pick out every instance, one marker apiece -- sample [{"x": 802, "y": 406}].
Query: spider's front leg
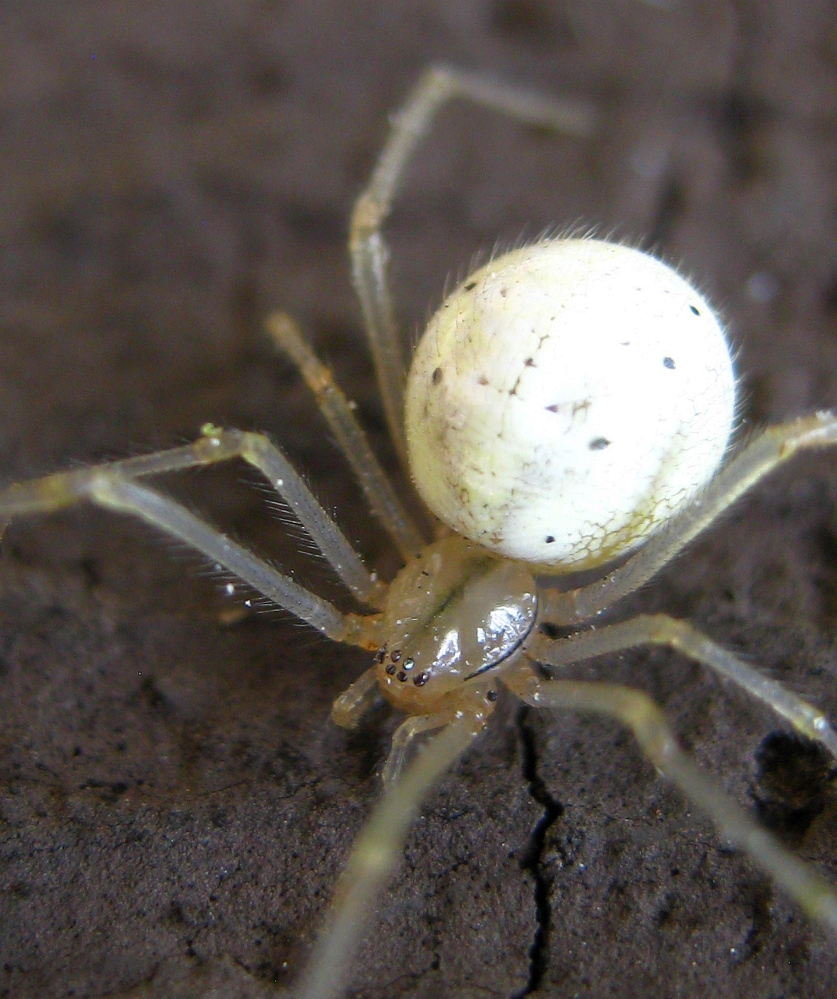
[{"x": 114, "y": 486}]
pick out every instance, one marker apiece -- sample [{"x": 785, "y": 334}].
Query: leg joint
[{"x": 368, "y": 216}]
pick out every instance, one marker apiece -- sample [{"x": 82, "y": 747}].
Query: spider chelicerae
[{"x": 568, "y": 408}]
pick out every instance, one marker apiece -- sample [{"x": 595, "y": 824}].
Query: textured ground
[{"x": 174, "y": 802}]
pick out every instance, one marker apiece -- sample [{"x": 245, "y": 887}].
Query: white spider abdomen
[{"x": 566, "y": 400}]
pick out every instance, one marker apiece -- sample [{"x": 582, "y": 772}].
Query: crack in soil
[{"x": 531, "y": 859}]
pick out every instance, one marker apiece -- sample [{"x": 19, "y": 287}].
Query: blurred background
[{"x": 175, "y": 804}]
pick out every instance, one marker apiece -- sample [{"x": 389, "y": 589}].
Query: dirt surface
[{"x": 175, "y": 804}]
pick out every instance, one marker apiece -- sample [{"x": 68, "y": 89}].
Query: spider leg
[
  {"x": 350, "y": 706},
  {"x": 815, "y": 895},
  {"x": 404, "y": 737},
  {"x": 659, "y": 629},
  {"x": 337, "y": 410},
  {"x": 374, "y": 855},
  {"x": 473, "y": 701},
  {"x": 109, "y": 487},
  {"x": 435, "y": 87},
  {"x": 65, "y": 488},
  {"x": 763, "y": 454}
]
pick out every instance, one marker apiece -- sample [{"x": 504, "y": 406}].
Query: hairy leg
[
  {"x": 53, "y": 492},
  {"x": 337, "y": 410},
  {"x": 127, "y": 496},
  {"x": 110, "y": 486}
]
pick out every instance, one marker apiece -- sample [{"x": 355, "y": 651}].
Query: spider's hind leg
[
  {"x": 634, "y": 709},
  {"x": 764, "y": 453},
  {"x": 660, "y": 629}
]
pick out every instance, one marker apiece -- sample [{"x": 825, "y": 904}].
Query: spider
[{"x": 568, "y": 408}]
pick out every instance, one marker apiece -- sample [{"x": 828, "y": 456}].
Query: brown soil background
[{"x": 175, "y": 804}]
